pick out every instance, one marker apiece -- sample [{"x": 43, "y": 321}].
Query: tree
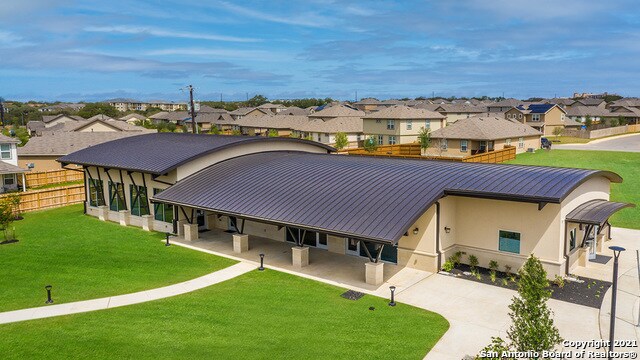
[
  {"x": 6, "y": 216},
  {"x": 151, "y": 110},
  {"x": 272, "y": 133},
  {"x": 424, "y": 137},
  {"x": 370, "y": 144},
  {"x": 256, "y": 101},
  {"x": 588, "y": 122},
  {"x": 94, "y": 109},
  {"x": 558, "y": 130},
  {"x": 214, "y": 130},
  {"x": 622, "y": 120},
  {"x": 532, "y": 327},
  {"x": 614, "y": 122},
  {"x": 341, "y": 140}
]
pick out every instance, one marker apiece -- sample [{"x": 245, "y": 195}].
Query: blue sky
[{"x": 93, "y": 50}]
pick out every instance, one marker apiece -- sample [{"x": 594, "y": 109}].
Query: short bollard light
[
  {"x": 49, "y": 300},
  {"x": 261, "y": 268},
  {"x": 393, "y": 301},
  {"x": 167, "y": 237}
]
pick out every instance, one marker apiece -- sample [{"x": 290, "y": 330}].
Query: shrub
[
  {"x": 507, "y": 269},
  {"x": 370, "y": 144},
  {"x": 505, "y": 282},
  {"x": 456, "y": 257},
  {"x": 493, "y": 265},
  {"x": 559, "y": 281},
  {"x": 473, "y": 261},
  {"x": 448, "y": 265},
  {"x": 497, "y": 346},
  {"x": 493, "y": 276},
  {"x": 341, "y": 140}
]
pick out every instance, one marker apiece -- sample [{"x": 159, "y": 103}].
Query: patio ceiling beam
[
  {"x": 366, "y": 250},
  {"x": 135, "y": 187},
  {"x": 190, "y": 221},
  {"x": 146, "y": 189},
  {"x": 587, "y": 231}
]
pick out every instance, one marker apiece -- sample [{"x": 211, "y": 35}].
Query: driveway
[{"x": 630, "y": 143}]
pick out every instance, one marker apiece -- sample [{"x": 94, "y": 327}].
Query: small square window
[
  {"x": 409, "y": 124},
  {"x": 463, "y": 145},
  {"x": 509, "y": 241}
]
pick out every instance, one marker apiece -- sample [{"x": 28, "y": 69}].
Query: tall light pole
[
  {"x": 614, "y": 288},
  {"x": 2, "y": 111}
]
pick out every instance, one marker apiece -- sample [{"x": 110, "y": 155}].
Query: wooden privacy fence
[
  {"x": 50, "y": 198},
  {"x": 41, "y": 178},
  {"x": 408, "y": 151}
]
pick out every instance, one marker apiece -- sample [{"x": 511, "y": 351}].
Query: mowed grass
[
  {"x": 625, "y": 164},
  {"x": 85, "y": 258},
  {"x": 259, "y": 315}
]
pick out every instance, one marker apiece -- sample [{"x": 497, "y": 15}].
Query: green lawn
[
  {"x": 85, "y": 258},
  {"x": 259, "y": 315},
  {"x": 626, "y": 164}
]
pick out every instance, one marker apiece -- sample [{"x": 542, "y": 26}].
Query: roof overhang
[{"x": 596, "y": 212}]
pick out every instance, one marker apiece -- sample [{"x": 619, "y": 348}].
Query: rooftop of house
[
  {"x": 336, "y": 111},
  {"x": 49, "y": 118},
  {"x": 485, "y": 128},
  {"x": 63, "y": 143},
  {"x": 404, "y": 112}
]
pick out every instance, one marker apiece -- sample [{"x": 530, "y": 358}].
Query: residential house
[
  {"x": 480, "y": 134},
  {"x": 505, "y": 105},
  {"x": 41, "y": 152},
  {"x": 580, "y": 113},
  {"x": 294, "y": 110},
  {"x": 247, "y": 111},
  {"x": 133, "y": 118},
  {"x": 542, "y": 117},
  {"x": 367, "y": 104},
  {"x": 454, "y": 112},
  {"x": 62, "y": 107},
  {"x": 272, "y": 108},
  {"x": 9, "y": 170},
  {"x": 400, "y": 124}
]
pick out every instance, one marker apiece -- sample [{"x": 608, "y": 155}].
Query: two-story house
[
  {"x": 9, "y": 169},
  {"x": 542, "y": 117},
  {"x": 400, "y": 124}
]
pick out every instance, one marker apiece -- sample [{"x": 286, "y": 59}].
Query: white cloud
[
  {"x": 300, "y": 19},
  {"x": 144, "y": 30},
  {"x": 220, "y": 53},
  {"x": 9, "y": 39}
]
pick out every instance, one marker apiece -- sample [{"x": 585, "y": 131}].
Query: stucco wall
[{"x": 42, "y": 163}]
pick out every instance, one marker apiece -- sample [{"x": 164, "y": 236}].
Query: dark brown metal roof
[
  {"x": 159, "y": 153},
  {"x": 370, "y": 198},
  {"x": 595, "y": 212}
]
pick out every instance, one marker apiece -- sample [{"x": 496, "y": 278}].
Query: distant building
[
  {"x": 591, "y": 95},
  {"x": 123, "y": 104},
  {"x": 400, "y": 124},
  {"x": 62, "y": 107}
]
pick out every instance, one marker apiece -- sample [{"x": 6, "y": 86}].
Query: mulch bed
[{"x": 585, "y": 291}]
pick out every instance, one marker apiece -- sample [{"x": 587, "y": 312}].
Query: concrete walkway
[{"x": 127, "y": 299}]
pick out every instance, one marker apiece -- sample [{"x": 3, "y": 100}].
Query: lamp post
[
  {"x": 614, "y": 287},
  {"x": 261, "y": 268},
  {"x": 393, "y": 290},
  {"x": 49, "y": 300},
  {"x": 167, "y": 238}
]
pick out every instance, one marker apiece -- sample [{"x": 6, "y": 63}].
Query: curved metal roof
[
  {"x": 595, "y": 212},
  {"x": 159, "y": 153},
  {"x": 370, "y": 198}
]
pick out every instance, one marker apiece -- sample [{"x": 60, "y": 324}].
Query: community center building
[{"x": 410, "y": 212}]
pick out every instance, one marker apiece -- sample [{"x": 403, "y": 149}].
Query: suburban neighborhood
[{"x": 337, "y": 180}]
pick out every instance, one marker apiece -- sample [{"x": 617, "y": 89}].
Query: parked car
[{"x": 545, "y": 143}]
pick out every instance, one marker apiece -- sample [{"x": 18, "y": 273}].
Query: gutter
[{"x": 566, "y": 256}]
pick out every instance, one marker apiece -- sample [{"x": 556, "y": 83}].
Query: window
[
  {"x": 116, "y": 197},
  {"x": 463, "y": 145},
  {"x": 508, "y": 142},
  {"x": 96, "y": 193},
  {"x": 409, "y": 124},
  {"x": 162, "y": 212},
  {"x": 490, "y": 143},
  {"x": 572, "y": 238},
  {"x": 358, "y": 137},
  {"x": 519, "y": 116},
  {"x": 427, "y": 124},
  {"x": 520, "y": 143},
  {"x": 508, "y": 116},
  {"x": 378, "y": 121},
  {"x": 392, "y": 140},
  {"x": 139, "y": 200},
  {"x": 535, "y": 117},
  {"x": 319, "y": 138},
  {"x": 483, "y": 146},
  {"x": 8, "y": 179},
  {"x": 509, "y": 241},
  {"x": 380, "y": 140},
  {"x": 443, "y": 144},
  {"x": 5, "y": 151},
  {"x": 391, "y": 124}
]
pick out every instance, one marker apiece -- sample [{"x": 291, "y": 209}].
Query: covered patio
[{"x": 338, "y": 269}]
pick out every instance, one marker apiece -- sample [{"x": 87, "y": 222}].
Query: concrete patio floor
[{"x": 342, "y": 270}]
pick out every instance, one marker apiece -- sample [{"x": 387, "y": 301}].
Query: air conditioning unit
[{"x": 531, "y": 150}]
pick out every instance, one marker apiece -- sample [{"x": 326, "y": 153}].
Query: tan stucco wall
[
  {"x": 42, "y": 163},
  {"x": 419, "y": 251},
  {"x": 235, "y": 151},
  {"x": 403, "y": 136}
]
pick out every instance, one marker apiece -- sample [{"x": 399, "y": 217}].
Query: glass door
[
  {"x": 321, "y": 241},
  {"x": 353, "y": 247}
]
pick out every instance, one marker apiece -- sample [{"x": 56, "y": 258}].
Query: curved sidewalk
[{"x": 127, "y": 299}]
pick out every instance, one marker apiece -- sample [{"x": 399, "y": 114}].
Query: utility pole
[
  {"x": 356, "y": 95},
  {"x": 220, "y": 97},
  {"x": 2, "y": 111},
  {"x": 194, "y": 126}
]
